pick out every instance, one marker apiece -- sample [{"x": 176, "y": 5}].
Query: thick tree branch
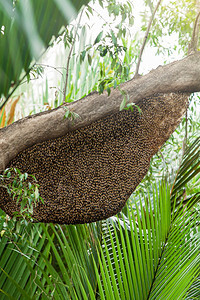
[{"x": 178, "y": 76}]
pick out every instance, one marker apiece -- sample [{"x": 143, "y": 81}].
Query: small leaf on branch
[
  {"x": 131, "y": 107},
  {"x": 108, "y": 91},
  {"x": 70, "y": 115},
  {"x": 89, "y": 59},
  {"x": 123, "y": 104},
  {"x": 98, "y": 38},
  {"x": 82, "y": 56},
  {"x": 114, "y": 39}
]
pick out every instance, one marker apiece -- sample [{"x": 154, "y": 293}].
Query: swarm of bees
[{"x": 88, "y": 174}]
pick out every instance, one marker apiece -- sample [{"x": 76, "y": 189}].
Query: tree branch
[{"x": 178, "y": 76}]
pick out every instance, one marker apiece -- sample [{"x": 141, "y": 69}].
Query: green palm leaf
[
  {"x": 164, "y": 251},
  {"x": 194, "y": 291},
  {"x": 15, "y": 258},
  {"x": 187, "y": 172},
  {"x": 26, "y": 31},
  {"x": 157, "y": 251}
]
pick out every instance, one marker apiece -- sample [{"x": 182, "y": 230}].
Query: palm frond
[
  {"x": 25, "y": 31},
  {"x": 14, "y": 271},
  {"x": 155, "y": 257},
  {"x": 194, "y": 290},
  {"x": 188, "y": 172},
  {"x": 161, "y": 250}
]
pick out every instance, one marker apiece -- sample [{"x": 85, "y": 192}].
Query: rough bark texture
[
  {"x": 178, "y": 76},
  {"x": 88, "y": 169}
]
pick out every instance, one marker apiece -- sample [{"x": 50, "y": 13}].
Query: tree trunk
[{"x": 87, "y": 168}]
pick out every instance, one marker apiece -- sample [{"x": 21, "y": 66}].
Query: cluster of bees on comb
[{"x": 88, "y": 174}]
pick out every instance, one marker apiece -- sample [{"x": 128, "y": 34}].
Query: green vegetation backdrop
[{"x": 151, "y": 249}]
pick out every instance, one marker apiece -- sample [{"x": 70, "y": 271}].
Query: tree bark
[{"x": 179, "y": 76}]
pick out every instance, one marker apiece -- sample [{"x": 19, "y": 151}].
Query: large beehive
[{"x": 89, "y": 174}]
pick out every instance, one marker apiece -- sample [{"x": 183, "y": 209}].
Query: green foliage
[
  {"x": 16, "y": 257},
  {"x": 153, "y": 246},
  {"x": 131, "y": 257},
  {"x": 25, "y": 30},
  {"x": 111, "y": 46},
  {"x": 190, "y": 168},
  {"x": 23, "y": 188},
  {"x": 125, "y": 105},
  {"x": 119, "y": 70},
  {"x": 70, "y": 114},
  {"x": 174, "y": 19}
]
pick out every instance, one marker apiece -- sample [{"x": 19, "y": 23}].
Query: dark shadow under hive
[{"x": 89, "y": 174}]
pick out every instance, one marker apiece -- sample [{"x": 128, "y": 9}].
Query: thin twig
[
  {"x": 186, "y": 134},
  {"x": 195, "y": 35},
  {"x": 101, "y": 17},
  {"x": 52, "y": 67},
  {"x": 145, "y": 38},
  {"x": 69, "y": 56}
]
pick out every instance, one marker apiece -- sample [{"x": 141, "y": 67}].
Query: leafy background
[{"x": 151, "y": 249}]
